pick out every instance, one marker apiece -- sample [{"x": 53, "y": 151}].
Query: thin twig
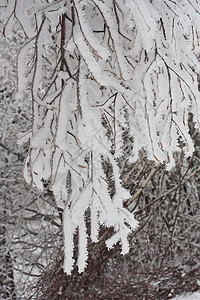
[
  {"x": 153, "y": 172},
  {"x": 132, "y": 171},
  {"x": 168, "y": 192}
]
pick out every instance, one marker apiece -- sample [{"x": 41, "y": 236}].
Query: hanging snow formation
[{"x": 133, "y": 64}]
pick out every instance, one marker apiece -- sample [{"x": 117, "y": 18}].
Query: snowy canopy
[{"x": 93, "y": 70}]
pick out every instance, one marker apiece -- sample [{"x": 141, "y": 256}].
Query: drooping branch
[{"x": 90, "y": 88}]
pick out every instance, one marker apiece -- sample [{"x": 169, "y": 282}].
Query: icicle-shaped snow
[
  {"x": 69, "y": 229},
  {"x": 98, "y": 83}
]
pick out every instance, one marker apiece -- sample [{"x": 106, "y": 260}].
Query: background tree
[{"x": 29, "y": 223}]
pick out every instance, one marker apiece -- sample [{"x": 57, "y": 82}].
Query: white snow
[
  {"x": 188, "y": 296},
  {"x": 148, "y": 71}
]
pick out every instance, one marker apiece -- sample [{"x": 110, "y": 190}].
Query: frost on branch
[{"x": 93, "y": 69}]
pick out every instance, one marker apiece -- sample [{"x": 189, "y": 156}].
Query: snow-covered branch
[{"x": 94, "y": 69}]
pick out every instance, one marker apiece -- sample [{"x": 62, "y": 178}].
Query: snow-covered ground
[{"x": 188, "y": 296}]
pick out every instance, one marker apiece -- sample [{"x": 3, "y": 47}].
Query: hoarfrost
[{"x": 92, "y": 71}]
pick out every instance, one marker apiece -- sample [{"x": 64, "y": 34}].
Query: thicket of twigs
[{"x": 142, "y": 283}]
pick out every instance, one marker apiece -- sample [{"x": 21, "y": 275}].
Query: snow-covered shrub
[{"x": 94, "y": 70}]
